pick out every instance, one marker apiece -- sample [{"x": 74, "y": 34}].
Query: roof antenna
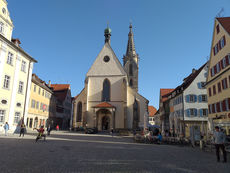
[{"x": 220, "y": 13}]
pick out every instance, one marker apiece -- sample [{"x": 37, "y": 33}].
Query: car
[{"x": 93, "y": 130}]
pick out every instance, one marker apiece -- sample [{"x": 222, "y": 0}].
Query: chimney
[
  {"x": 193, "y": 70},
  {"x": 16, "y": 42},
  {"x": 49, "y": 84}
]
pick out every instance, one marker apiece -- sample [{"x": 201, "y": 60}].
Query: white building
[
  {"x": 15, "y": 74},
  {"x": 188, "y": 104},
  {"x": 110, "y": 98}
]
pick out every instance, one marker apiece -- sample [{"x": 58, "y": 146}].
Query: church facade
[{"x": 110, "y": 98}]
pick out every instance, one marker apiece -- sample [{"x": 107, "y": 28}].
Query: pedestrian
[
  {"x": 111, "y": 132},
  {"x": 40, "y": 134},
  {"x": 48, "y": 130},
  {"x": 6, "y": 127},
  {"x": 159, "y": 138},
  {"x": 219, "y": 140},
  {"x": 57, "y": 127},
  {"x": 22, "y": 130}
]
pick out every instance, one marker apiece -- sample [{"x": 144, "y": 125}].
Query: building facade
[
  {"x": 40, "y": 103},
  {"x": 188, "y": 105},
  {"x": 218, "y": 81},
  {"x": 110, "y": 98},
  {"x": 15, "y": 74},
  {"x": 62, "y": 95},
  {"x": 164, "y": 110}
]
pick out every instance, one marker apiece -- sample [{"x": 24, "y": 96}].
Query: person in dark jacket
[
  {"x": 22, "y": 130},
  {"x": 219, "y": 140}
]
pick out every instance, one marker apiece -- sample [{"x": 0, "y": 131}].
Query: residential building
[
  {"x": 110, "y": 98},
  {"x": 62, "y": 93},
  {"x": 40, "y": 103},
  {"x": 164, "y": 109},
  {"x": 15, "y": 74},
  {"x": 218, "y": 81},
  {"x": 152, "y": 110},
  {"x": 188, "y": 105}
]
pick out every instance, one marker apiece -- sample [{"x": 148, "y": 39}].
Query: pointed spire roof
[{"x": 130, "y": 47}]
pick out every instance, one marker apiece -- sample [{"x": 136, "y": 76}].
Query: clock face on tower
[{"x": 106, "y": 58}]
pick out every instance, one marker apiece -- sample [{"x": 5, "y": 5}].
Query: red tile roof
[
  {"x": 60, "y": 90},
  {"x": 58, "y": 87},
  {"x": 165, "y": 92},
  {"x": 225, "y": 22},
  {"x": 104, "y": 105},
  {"x": 152, "y": 111}
]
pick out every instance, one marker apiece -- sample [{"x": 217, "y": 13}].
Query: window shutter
[
  {"x": 187, "y": 112},
  {"x": 187, "y": 98},
  {"x": 223, "y": 105},
  {"x": 201, "y": 112},
  {"x": 209, "y": 109},
  {"x": 218, "y": 106},
  {"x": 213, "y": 108},
  {"x": 219, "y": 45},
  {"x": 210, "y": 92},
  {"x": 224, "y": 40},
  {"x": 226, "y": 82},
  {"x": 215, "y": 69},
  {"x": 195, "y": 98},
  {"x": 221, "y": 64},
  {"x": 227, "y": 61},
  {"x": 200, "y": 98},
  {"x": 228, "y": 103},
  {"x": 195, "y": 112}
]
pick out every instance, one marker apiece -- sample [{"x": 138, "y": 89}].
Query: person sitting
[
  {"x": 41, "y": 133},
  {"x": 159, "y": 138}
]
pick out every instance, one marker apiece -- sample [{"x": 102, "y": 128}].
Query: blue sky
[{"x": 65, "y": 36}]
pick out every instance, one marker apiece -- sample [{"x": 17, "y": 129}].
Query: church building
[{"x": 110, "y": 98}]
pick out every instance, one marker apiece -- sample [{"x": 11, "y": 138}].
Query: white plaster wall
[
  {"x": 178, "y": 106},
  {"x": 193, "y": 89}
]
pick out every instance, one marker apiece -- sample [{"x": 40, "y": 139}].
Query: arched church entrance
[
  {"x": 104, "y": 120},
  {"x": 105, "y": 123}
]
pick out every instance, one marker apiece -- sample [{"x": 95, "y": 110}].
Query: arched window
[
  {"x": 79, "y": 112},
  {"x": 131, "y": 82},
  {"x": 130, "y": 69},
  {"x": 106, "y": 90},
  {"x": 136, "y": 114}
]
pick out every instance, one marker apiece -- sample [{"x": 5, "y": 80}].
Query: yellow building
[
  {"x": 15, "y": 73},
  {"x": 39, "y": 105},
  {"x": 218, "y": 81}
]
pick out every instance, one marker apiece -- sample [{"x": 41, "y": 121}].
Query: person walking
[
  {"x": 48, "y": 130},
  {"x": 22, "y": 130},
  {"x": 6, "y": 127},
  {"x": 219, "y": 140}
]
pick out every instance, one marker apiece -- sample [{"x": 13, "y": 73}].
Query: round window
[
  {"x": 4, "y": 101},
  {"x": 18, "y": 104},
  {"x": 106, "y": 58}
]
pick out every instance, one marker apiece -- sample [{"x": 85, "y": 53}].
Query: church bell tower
[{"x": 130, "y": 61}]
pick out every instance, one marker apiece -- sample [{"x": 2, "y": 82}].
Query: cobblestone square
[{"x": 71, "y": 152}]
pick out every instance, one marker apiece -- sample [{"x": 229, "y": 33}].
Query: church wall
[
  {"x": 116, "y": 99},
  {"x": 82, "y": 98}
]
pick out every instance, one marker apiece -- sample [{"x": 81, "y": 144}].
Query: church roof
[
  {"x": 104, "y": 105},
  {"x": 225, "y": 22},
  {"x": 112, "y": 67}
]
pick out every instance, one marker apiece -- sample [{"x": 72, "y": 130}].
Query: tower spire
[{"x": 130, "y": 47}]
